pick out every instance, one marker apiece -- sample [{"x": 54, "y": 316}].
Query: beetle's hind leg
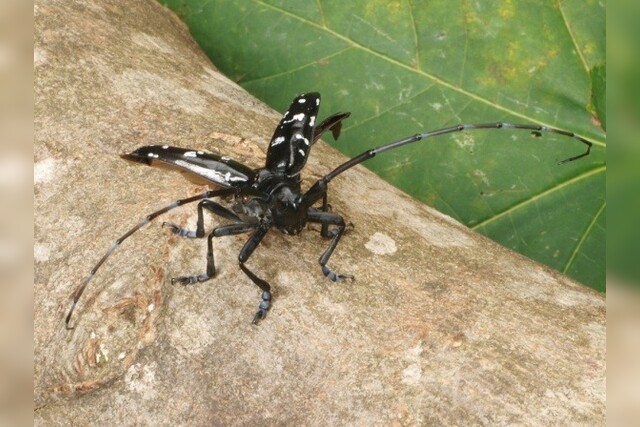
[
  {"x": 223, "y": 230},
  {"x": 209, "y": 205},
  {"x": 328, "y": 218}
]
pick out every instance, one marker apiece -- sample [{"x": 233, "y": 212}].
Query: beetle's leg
[
  {"x": 328, "y": 218},
  {"x": 209, "y": 205},
  {"x": 324, "y": 230},
  {"x": 223, "y": 230},
  {"x": 245, "y": 253}
]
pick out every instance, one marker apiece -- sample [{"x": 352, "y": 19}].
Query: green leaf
[
  {"x": 404, "y": 67},
  {"x": 598, "y": 93}
]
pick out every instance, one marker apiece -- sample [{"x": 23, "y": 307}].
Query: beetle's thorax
[{"x": 283, "y": 208}]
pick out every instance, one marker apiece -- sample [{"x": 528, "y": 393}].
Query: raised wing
[
  {"x": 197, "y": 166},
  {"x": 290, "y": 144},
  {"x": 332, "y": 123}
]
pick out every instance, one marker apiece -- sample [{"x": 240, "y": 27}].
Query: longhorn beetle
[{"x": 271, "y": 196}]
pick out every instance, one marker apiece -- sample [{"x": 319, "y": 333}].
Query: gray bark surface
[{"x": 440, "y": 327}]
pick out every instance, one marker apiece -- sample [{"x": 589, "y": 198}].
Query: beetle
[{"x": 271, "y": 196}]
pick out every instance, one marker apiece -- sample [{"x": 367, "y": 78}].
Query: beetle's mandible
[{"x": 271, "y": 196}]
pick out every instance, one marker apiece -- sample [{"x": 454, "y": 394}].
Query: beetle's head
[
  {"x": 252, "y": 208},
  {"x": 288, "y": 213}
]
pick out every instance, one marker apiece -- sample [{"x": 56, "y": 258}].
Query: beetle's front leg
[
  {"x": 209, "y": 205},
  {"x": 328, "y": 218},
  {"x": 223, "y": 230}
]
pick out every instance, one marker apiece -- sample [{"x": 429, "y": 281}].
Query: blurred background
[
  {"x": 623, "y": 223},
  {"x": 16, "y": 210}
]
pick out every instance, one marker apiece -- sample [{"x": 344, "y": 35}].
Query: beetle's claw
[{"x": 332, "y": 275}]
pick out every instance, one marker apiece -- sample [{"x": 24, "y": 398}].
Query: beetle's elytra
[{"x": 271, "y": 196}]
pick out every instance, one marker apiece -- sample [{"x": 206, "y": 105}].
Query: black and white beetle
[{"x": 271, "y": 196}]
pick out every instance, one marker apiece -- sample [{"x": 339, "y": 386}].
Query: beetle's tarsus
[
  {"x": 335, "y": 277},
  {"x": 189, "y": 280},
  {"x": 261, "y": 314},
  {"x": 179, "y": 230}
]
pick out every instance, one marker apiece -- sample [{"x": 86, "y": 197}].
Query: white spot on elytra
[
  {"x": 207, "y": 173},
  {"x": 312, "y": 121},
  {"x": 381, "y": 244},
  {"x": 278, "y": 140},
  {"x": 190, "y": 154},
  {"x": 317, "y": 101},
  {"x": 153, "y": 155},
  {"x": 302, "y": 100},
  {"x": 301, "y": 151},
  {"x": 298, "y": 117},
  {"x": 165, "y": 147}
]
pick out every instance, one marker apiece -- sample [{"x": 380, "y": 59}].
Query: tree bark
[{"x": 440, "y": 327}]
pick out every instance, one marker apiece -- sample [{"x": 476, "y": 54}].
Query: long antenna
[
  {"x": 535, "y": 130},
  {"x": 77, "y": 293}
]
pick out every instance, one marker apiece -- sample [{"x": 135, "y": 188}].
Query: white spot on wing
[
  {"x": 210, "y": 174},
  {"x": 278, "y": 140}
]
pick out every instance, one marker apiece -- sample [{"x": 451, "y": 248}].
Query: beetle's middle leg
[
  {"x": 223, "y": 230},
  {"x": 227, "y": 230},
  {"x": 209, "y": 205}
]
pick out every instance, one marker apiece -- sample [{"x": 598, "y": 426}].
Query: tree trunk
[{"x": 440, "y": 327}]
